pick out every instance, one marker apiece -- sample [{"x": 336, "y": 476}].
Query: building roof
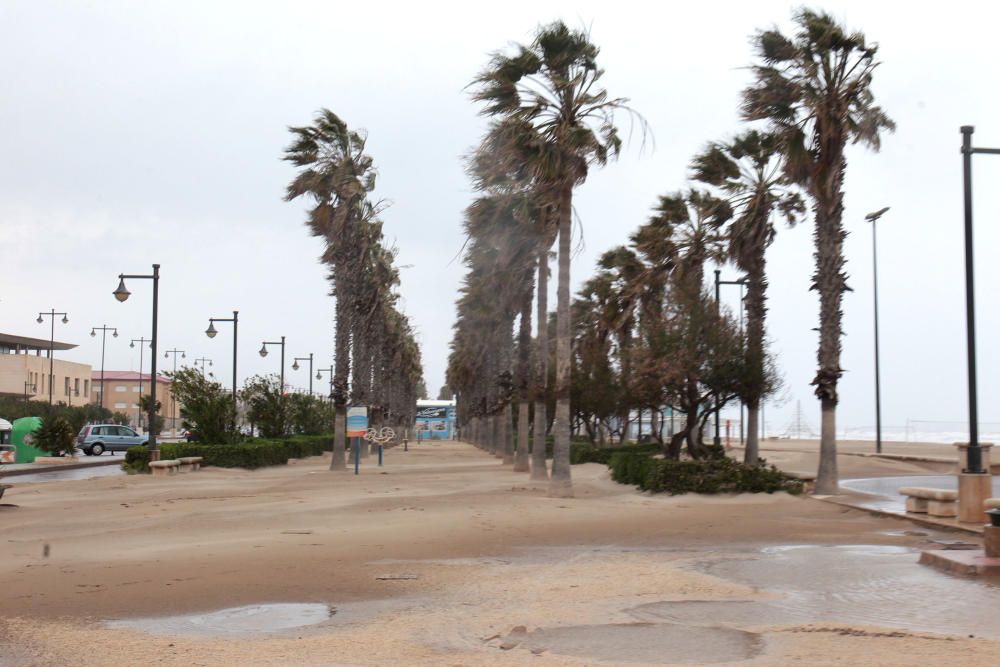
[
  {"x": 10, "y": 340},
  {"x": 111, "y": 376}
]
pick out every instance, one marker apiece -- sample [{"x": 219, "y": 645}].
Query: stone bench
[
  {"x": 4, "y": 487},
  {"x": 168, "y": 467},
  {"x": 991, "y": 504},
  {"x": 935, "y": 502},
  {"x": 189, "y": 463}
]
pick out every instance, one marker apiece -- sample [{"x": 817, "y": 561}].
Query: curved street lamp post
[
  {"x": 263, "y": 353},
  {"x": 122, "y": 294},
  {"x": 173, "y": 398},
  {"x": 295, "y": 367},
  {"x": 142, "y": 341}
]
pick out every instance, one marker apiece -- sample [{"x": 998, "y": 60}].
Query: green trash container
[{"x": 22, "y": 436}]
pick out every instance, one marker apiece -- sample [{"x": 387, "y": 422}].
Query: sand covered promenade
[{"x": 443, "y": 557}]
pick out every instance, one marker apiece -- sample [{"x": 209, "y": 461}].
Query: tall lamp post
[
  {"x": 173, "y": 398},
  {"x": 263, "y": 353},
  {"x": 211, "y": 333},
  {"x": 718, "y": 283},
  {"x": 104, "y": 335},
  {"x": 975, "y": 457},
  {"x": 142, "y": 341},
  {"x": 873, "y": 218},
  {"x": 295, "y": 367},
  {"x": 52, "y": 337},
  {"x": 122, "y": 294}
]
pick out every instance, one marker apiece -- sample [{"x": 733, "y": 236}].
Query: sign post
[{"x": 357, "y": 426}]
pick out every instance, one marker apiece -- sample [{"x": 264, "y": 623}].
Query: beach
[{"x": 445, "y": 557}]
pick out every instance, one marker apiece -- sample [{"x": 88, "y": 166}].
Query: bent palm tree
[
  {"x": 553, "y": 85},
  {"x": 814, "y": 89},
  {"x": 337, "y": 174}
]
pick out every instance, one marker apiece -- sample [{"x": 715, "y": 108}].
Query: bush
[
  {"x": 588, "y": 453},
  {"x": 136, "y": 460},
  {"x": 251, "y": 454},
  {"x": 56, "y": 436},
  {"x": 707, "y": 476}
]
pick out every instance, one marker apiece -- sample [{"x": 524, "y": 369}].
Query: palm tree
[
  {"x": 748, "y": 171},
  {"x": 814, "y": 90},
  {"x": 553, "y": 85},
  {"x": 336, "y": 173}
]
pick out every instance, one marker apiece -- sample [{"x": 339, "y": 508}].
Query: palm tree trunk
[
  {"x": 538, "y": 468},
  {"x": 751, "y": 455},
  {"x": 755, "y": 353},
  {"x": 831, "y": 282},
  {"x": 561, "y": 485},
  {"x": 521, "y": 460},
  {"x": 342, "y": 367}
]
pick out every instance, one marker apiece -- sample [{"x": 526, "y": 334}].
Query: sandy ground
[{"x": 483, "y": 568}]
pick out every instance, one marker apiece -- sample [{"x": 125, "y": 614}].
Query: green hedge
[
  {"x": 251, "y": 454},
  {"x": 704, "y": 476},
  {"x": 588, "y": 453}
]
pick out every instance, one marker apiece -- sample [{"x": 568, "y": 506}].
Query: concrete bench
[
  {"x": 4, "y": 487},
  {"x": 991, "y": 504},
  {"x": 935, "y": 502},
  {"x": 168, "y": 467},
  {"x": 189, "y": 463}
]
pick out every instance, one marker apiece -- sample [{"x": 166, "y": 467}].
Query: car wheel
[
  {"x": 88, "y": 452},
  {"x": 96, "y": 450}
]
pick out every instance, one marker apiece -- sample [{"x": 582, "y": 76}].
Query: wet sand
[{"x": 444, "y": 557}]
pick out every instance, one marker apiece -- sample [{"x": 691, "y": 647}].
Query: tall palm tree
[
  {"x": 748, "y": 171},
  {"x": 815, "y": 91},
  {"x": 336, "y": 173},
  {"x": 553, "y": 84}
]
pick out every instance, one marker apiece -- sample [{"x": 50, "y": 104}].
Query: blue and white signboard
[
  {"x": 357, "y": 422},
  {"x": 435, "y": 420}
]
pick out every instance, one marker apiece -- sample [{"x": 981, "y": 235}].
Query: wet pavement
[
  {"x": 249, "y": 620},
  {"x": 861, "y": 585},
  {"x": 67, "y": 475},
  {"x": 883, "y": 490}
]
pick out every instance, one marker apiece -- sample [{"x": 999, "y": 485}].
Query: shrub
[
  {"x": 252, "y": 453},
  {"x": 707, "y": 476},
  {"x": 136, "y": 460},
  {"x": 588, "y": 453},
  {"x": 56, "y": 436}
]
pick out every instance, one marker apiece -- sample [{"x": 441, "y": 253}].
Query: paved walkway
[{"x": 15, "y": 469}]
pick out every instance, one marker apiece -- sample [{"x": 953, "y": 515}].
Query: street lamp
[
  {"x": 173, "y": 397},
  {"x": 142, "y": 341},
  {"x": 295, "y": 367},
  {"x": 104, "y": 335},
  {"x": 873, "y": 218},
  {"x": 263, "y": 353},
  {"x": 52, "y": 337},
  {"x": 211, "y": 333},
  {"x": 202, "y": 361},
  {"x": 328, "y": 371},
  {"x": 121, "y": 293},
  {"x": 717, "y": 441}
]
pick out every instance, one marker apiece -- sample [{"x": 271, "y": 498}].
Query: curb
[
  {"x": 920, "y": 521},
  {"x": 56, "y": 467}
]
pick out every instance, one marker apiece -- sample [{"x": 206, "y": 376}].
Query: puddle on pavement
[
  {"x": 865, "y": 585},
  {"x": 249, "y": 620},
  {"x": 659, "y": 643},
  {"x": 68, "y": 475},
  {"x": 884, "y": 490}
]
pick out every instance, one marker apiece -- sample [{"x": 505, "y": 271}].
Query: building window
[
  {"x": 76, "y": 386},
  {"x": 137, "y": 388},
  {"x": 86, "y": 387},
  {"x": 119, "y": 406},
  {"x": 120, "y": 388},
  {"x": 66, "y": 387}
]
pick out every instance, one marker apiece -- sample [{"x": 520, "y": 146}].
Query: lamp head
[
  {"x": 263, "y": 350},
  {"x": 211, "y": 331},
  {"x": 318, "y": 376},
  {"x": 122, "y": 292},
  {"x": 875, "y": 215},
  {"x": 166, "y": 355},
  {"x": 93, "y": 333},
  {"x": 115, "y": 334},
  {"x": 132, "y": 344},
  {"x": 295, "y": 365},
  {"x": 39, "y": 320},
  {"x": 65, "y": 319},
  {"x": 183, "y": 356}
]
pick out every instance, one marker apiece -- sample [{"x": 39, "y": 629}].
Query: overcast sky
[{"x": 133, "y": 133}]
